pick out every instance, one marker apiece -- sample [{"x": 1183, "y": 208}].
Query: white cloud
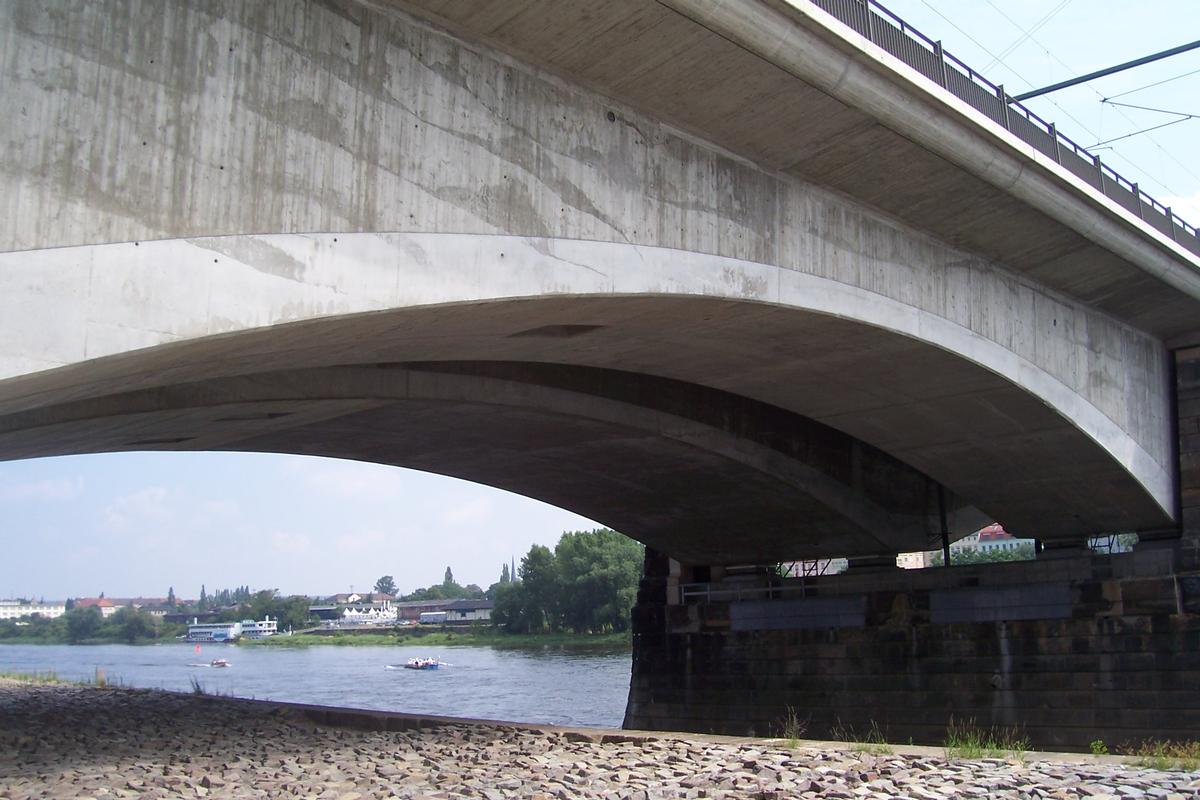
[
  {"x": 154, "y": 504},
  {"x": 364, "y": 543},
  {"x": 472, "y": 512},
  {"x": 283, "y": 542},
  {"x": 220, "y": 508},
  {"x": 48, "y": 489}
]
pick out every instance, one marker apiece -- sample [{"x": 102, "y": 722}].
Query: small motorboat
[
  {"x": 218, "y": 662},
  {"x": 422, "y": 663}
]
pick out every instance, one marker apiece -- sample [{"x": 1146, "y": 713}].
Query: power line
[
  {"x": 1100, "y": 73},
  {"x": 964, "y": 33},
  {"x": 1025, "y": 34},
  {"x": 1148, "y": 108},
  {"x": 1152, "y": 85},
  {"x": 1146, "y": 130},
  {"x": 1066, "y": 113},
  {"x": 1019, "y": 76}
]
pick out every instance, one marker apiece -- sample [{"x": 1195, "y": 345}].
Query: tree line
[
  {"x": 448, "y": 589},
  {"x": 587, "y": 584},
  {"x": 80, "y": 625}
]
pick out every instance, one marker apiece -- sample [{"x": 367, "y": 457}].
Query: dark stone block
[
  {"x": 1149, "y": 596},
  {"x": 1189, "y": 590}
]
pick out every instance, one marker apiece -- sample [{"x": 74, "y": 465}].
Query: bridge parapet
[{"x": 873, "y": 21}]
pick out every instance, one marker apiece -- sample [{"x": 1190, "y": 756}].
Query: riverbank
[
  {"x": 465, "y": 637},
  {"x": 71, "y": 741}
]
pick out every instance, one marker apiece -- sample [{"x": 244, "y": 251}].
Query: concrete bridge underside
[
  {"x": 765, "y": 419},
  {"x": 720, "y": 275},
  {"x": 542, "y": 222}
]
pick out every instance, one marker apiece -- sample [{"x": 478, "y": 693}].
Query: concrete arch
[
  {"x": 705, "y": 476},
  {"x": 994, "y": 428}
]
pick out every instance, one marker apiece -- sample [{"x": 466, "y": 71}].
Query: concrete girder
[
  {"x": 995, "y": 429},
  {"x": 701, "y": 475},
  {"x": 787, "y": 86}
]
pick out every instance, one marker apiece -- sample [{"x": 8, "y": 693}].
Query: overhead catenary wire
[
  {"x": 1066, "y": 113},
  {"x": 1183, "y": 116},
  {"x": 1150, "y": 108},
  {"x": 1144, "y": 130},
  {"x": 1026, "y": 35},
  {"x": 1100, "y": 73},
  {"x": 1019, "y": 76},
  {"x": 1150, "y": 85}
]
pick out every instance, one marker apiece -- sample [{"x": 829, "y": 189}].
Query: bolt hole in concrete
[{"x": 611, "y": 116}]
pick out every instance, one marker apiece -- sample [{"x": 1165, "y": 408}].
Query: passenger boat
[{"x": 422, "y": 663}]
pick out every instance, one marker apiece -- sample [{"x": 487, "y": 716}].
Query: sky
[{"x": 139, "y": 523}]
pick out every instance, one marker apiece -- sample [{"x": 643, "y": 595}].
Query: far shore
[{"x": 400, "y": 637}]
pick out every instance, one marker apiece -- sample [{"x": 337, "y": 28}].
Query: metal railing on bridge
[{"x": 876, "y": 23}]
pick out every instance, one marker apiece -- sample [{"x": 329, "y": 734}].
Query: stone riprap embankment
[{"x": 61, "y": 741}]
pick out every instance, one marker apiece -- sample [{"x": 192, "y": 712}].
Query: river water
[{"x": 557, "y": 686}]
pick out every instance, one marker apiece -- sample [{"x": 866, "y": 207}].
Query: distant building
[
  {"x": 991, "y": 539},
  {"x": 353, "y": 598},
  {"x": 464, "y": 612},
  {"x": 176, "y": 616},
  {"x": 411, "y": 610},
  {"x": 15, "y": 609},
  {"x": 369, "y": 614},
  {"x": 326, "y": 611},
  {"x": 107, "y": 605},
  {"x": 915, "y": 560}
]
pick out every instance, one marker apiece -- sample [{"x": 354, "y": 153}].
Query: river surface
[{"x": 557, "y": 686}]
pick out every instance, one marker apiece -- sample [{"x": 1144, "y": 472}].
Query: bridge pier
[
  {"x": 1187, "y": 414},
  {"x": 1068, "y": 651},
  {"x": 1073, "y": 647}
]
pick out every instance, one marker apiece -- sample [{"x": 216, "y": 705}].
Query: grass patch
[
  {"x": 51, "y": 677},
  {"x": 1154, "y": 754},
  {"x": 871, "y": 741},
  {"x": 32, "y": 677},
  {"x": 964, "y": 739},
  {"x": 792, "y": 727}
]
